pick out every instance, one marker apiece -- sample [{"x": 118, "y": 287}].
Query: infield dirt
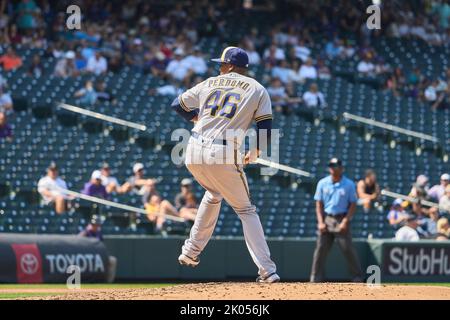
[{"x": 250, "y": 291}]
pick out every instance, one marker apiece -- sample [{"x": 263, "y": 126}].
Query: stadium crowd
[{"x": 164, "y": 44}]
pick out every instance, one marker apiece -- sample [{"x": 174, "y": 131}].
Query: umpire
[{"x": 335, "y": 205}]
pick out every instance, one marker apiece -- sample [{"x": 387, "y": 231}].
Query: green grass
[
  {"x": 19, "y": 295},
  {"x": 87, "y": 286},
  {"x": 441, "y": 284},
  {"x": 4, "y": 296}
]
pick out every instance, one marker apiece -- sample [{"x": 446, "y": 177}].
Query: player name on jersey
[{"x": 228, "y": 83}]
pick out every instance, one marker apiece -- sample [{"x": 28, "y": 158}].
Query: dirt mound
[{"x": 248, "y": 291}]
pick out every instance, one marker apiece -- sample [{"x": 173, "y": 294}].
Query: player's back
[{"x": 227, "y": 102}]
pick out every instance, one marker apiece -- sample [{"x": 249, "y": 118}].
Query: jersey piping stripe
[
  {"x": 241, "y": 174},
  {"x": 222, "y": 58},
  {"x": 183, "y": 105},
  {"x": 263, "y": 117}
]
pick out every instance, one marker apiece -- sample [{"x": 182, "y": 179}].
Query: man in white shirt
[
  {"x": 302, "y": 51},
  {"x": 408, "y": 231},
  {"x": 109, "y": 182},
  {"x": 307, "y": 70},
  {"x": 97, "y": 64},
  {"x": 273, "y": 52},
  {"x": 366, "y": 67},
  {"x": 253, "y": 56},
  {"x": 314, "y": 98},
  {"x": 49, "y": 188},
  {"x": 176, "y": 68},
  {"x": 195, "y": 62},
  {"x": 284, "y": 73},
  {"x": 6, "y": 102}
]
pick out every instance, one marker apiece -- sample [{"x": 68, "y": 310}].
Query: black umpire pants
[{"x": 325, "y": 242}]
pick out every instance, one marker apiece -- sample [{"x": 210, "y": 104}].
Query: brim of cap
[{"x": 335, "y": 165}]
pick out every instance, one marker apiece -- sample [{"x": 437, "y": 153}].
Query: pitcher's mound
[{"x": 254, "y": 291}]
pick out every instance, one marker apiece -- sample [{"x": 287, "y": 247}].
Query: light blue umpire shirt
[{"x": 336, "y": 197}]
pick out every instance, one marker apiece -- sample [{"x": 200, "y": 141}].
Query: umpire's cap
[
  {"x": 235, "y": 56},
  {"x": 335, "y": 162}
]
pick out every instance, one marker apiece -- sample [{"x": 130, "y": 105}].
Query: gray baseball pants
[{"x": 223, "y": 179}]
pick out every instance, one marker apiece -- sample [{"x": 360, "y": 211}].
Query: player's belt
[{"x": 202, "y": 139}]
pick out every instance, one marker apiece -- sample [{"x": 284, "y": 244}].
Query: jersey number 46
[{"x": 222, "y": 103}]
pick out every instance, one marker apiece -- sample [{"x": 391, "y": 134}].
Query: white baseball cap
[
  {"x": 138, "y": 166},
  {"x": 422, "y": 180},
  {"x": 179, "y": 51},
  {"x": 186, "y": 182},
  {"x": 96, "y": 174},
  {"x": 70, "y": 55},
  {"x": 445, "y": 176}
]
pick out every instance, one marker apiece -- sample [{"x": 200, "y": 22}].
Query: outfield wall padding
[
  {"x": 149, "y": 258},
  {"x": 29, "y": 258}
]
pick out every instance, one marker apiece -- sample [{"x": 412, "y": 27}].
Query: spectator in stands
[
  {"x": 137, "y": 183},
  {"x": 277, "y": 93},
  {"x": 409, "y": 231},
  {"x": 177, "y": 69},
  {"x": 10, "y": 60},
  {"x": 419, "y": 191},
  {"x": 396, "y": 82},
  {"x": 87, "y": 95},
  {"x": 195, "y": 61},
  {"x": 102, "y": 92},
  {"x": 5, "y": 128},
  {"x": 94, "y": 187},
  {"x": 6, "y": 103},
  {"x": 28, "y": 14},
  {"x": 313, "y": 98},
  {"x": 323, "y": 72},
  {"x": 333, "y": 48},
  {"x": 368, "y": 190},
  {"x": 435, "y": 94},
  {"x": 307, "y": 70},
  {"x": 80, "y": 62},
  {"x": 50, "y": 189},
  {"x": 157, "y": 208},
  {"x": 443, "y": 230},
  {"x": 108, "y": 181},
  {"x": 97, "y": 64},
  {"x": 283, "y": 72},
  {"x": 93, "y": 229},
  {"x": 302, "y": 52},
  {"x": 437, "y": 191},
  {"x": 365, "y": 67},
  {"x": 35, "y": 69},
  {"x": 185, "y": 201},
  {"x": 444, "y": 203},
  {"x": 272, "y": 55},
  {"x": 348, "y": 50},
  {"x": 397, "y": 215},
  {"x": 65, "y": 66},
  {"x": 428, "y": 225},
  {"x": 157, "y": 64},
  {"x": 253, "y": 56}
]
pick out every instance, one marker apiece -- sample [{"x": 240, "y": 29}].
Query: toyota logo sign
[{"x": 29, "y": 263}]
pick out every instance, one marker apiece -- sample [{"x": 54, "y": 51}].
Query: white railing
[
  {"x": 115, "y": 204},
  {"x": 390, "y": 127},
  {"x": 102, "y": 116},
  {"x": 395, "y": 195}
]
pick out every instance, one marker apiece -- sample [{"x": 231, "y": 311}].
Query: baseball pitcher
[{"x": 229, "y": 102}]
